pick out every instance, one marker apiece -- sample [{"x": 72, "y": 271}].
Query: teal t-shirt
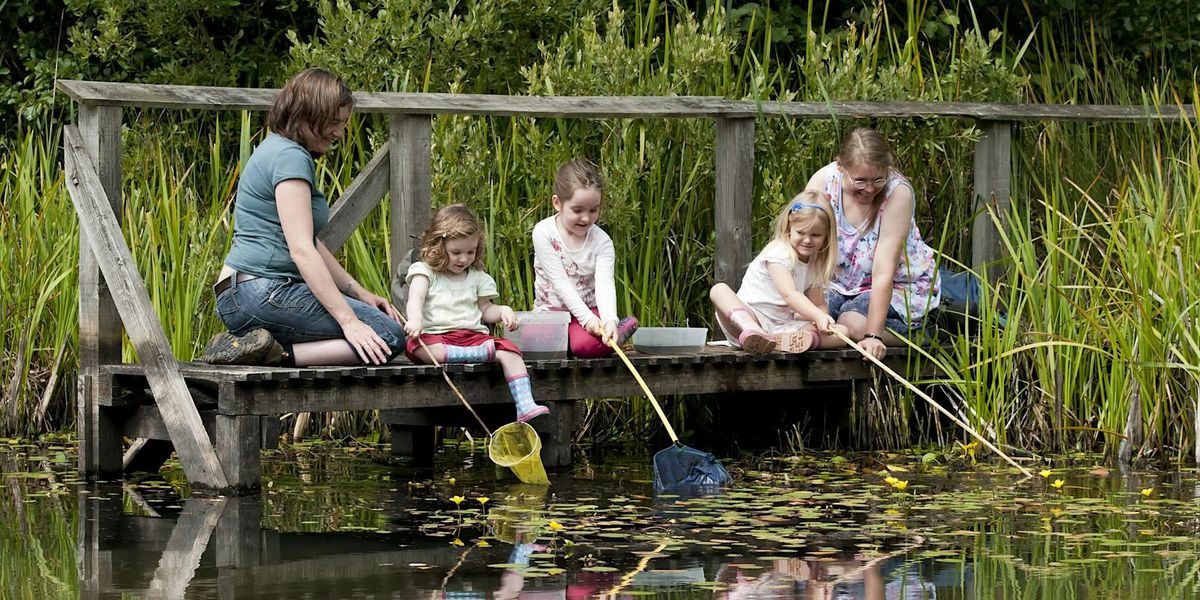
[{"x": 259, "y": 247}]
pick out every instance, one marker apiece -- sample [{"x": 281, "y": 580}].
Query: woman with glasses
[{"x": 884, "y": 283}]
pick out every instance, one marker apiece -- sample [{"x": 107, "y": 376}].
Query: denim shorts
[
  {"x": 289, "y": 310},
  {"x": 839, "y": 304}
]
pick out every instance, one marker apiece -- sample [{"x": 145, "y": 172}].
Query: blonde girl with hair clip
[
  {"x": 781, "y": 302},
  {"x": 886, "y": 276},
  {"x": 450, "y": 305},
  {"x": 573, "y": 263}
]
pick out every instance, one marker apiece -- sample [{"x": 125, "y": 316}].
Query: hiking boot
[
  {"x": 625, "y": 330},
  {"x": 257, "y": 347}
]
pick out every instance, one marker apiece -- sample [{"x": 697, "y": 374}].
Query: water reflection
[{"x": 335, "y": 524}]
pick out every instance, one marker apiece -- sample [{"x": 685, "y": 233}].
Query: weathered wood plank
[
  {"x": 99, "y": 324},
  {"x": 993, "y": 188},
  {"x": 735, "y": 198},
  {"x": 237, "y": 441},
  {"x": 147, "y": 422},
  {"x": 360, "y": 199},
  {"x": 179, "y": 561},
  {"x": 195, "y": 97},
  {"x": 133, "y": 304},
  {"x": 410, "y": 140},
  {"x": 558, "y": 384}
]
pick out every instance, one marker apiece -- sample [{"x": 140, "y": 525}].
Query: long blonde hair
[
  {"x": 452, "y": 222},
  {"x": 810, "y": 208}
]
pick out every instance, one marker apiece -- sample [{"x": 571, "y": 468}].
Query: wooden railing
[{"x": 402, "y": 169}]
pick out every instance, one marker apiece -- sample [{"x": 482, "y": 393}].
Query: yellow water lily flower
[
  {"x": 555, "y": 525},
  {"x": 458, "y": 542},
  {"x": 452, "y": 480},
  {"x": 1058, "y": 483},
  {"x": 1046, "y": 473},
  {"x": 457, "y": 499},
  {"x": 1147, "y": 491},
  {"x": 483, "y": 544},
  {"x": 483, "y": 500},
  {"x": 900, "y": 484},
  {"x": 890, "y": 480}
]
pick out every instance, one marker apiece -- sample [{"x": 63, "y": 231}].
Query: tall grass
[{"x": 1099, "y": 211}]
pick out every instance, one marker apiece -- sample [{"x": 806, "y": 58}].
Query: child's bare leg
[
  {"x": 324, "y": 352},
  {"x": 828, "y": 340},
  {"x": 436, "y": 353},
  {"x": 519, "y": 385},
  {"x": 732, "y": 312}
]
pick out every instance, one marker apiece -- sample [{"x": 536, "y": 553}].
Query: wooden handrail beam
[{"x": 600, "y": 107}]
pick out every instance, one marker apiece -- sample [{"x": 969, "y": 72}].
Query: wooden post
[
  {"x": 237, "y": 443},
  {"x": 411, "y": 189},
  {"x": 133, "y": 304},
  {"x": 735, "y": 198},
  {"x": 99, "y": 324},
  {"x": 993, "y": 172}
]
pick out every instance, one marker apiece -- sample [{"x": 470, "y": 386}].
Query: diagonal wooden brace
[{"x": 179, "y": 413}]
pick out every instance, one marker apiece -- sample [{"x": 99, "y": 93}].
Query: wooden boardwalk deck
[{"x": 217, "y": 418}]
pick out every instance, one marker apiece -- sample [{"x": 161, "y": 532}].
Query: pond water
[{"x": 343, "y": 522}]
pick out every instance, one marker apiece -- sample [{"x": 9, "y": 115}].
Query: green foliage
[{"x": 433, "y": 45}]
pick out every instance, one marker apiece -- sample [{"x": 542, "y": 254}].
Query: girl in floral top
[
  {"x": 573, "y": 263},
  {"x": 885, "y": 280}
]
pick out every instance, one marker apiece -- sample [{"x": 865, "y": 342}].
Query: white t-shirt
[
  {"x": 758, "y": 291},
  {"x": 453, "y": 305},
  {"x": 574, "y": 280}
]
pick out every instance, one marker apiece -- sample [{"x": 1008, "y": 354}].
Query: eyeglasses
[{"x": 861, "y": 184}]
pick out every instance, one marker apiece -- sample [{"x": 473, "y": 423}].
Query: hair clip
[{"x": 802, "y": 205}]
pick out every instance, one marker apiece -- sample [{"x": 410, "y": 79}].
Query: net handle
[
  {"x": 645, "y": 388},
  {"x": 446, "y": 376},
  {"x": 931, "y": 401}
]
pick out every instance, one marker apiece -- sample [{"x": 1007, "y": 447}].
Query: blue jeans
[
  {"x": 289, "y": 310},
  {"x": 860, "y": 304}
]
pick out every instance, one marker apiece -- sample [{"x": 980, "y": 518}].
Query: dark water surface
[{"x": 339, "y": 522}]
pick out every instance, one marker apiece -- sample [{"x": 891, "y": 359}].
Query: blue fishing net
[{"x": 681, "y": 467}]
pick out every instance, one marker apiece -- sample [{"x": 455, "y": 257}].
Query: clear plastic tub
[
  {"x": 542, "y": 334},
  {"x": 670, "y": 340}
]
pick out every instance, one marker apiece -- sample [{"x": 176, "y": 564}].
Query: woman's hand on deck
[
  {"x": 873, "y": 347},
  {"x": 366, "y": 343}
]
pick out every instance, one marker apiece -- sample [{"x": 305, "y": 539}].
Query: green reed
[{"x": 1101, "y": 211}]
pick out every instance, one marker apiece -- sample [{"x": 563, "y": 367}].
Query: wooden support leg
[
  {"x": 237, "y": 442},
  {"x": 413, "y": 441},
  {"x": 238, "y": 535},
  {"x": 556, "y": 429},
  {"x": 99, "y": 518},
  {"x": 189, "y": 539}
]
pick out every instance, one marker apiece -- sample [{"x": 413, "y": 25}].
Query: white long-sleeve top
[{"x": 574, "y": 280}]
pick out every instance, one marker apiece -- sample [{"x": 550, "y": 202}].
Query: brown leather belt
[{"x": 222, "y": 285}]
